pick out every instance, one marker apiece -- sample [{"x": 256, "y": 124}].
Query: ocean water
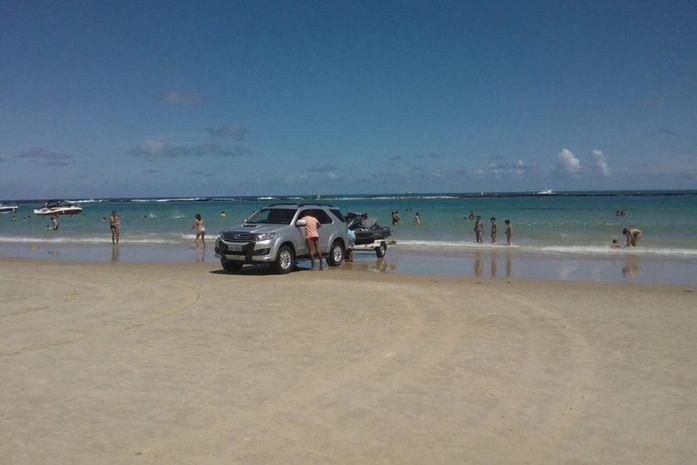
[{"x": 572, "y": 226}]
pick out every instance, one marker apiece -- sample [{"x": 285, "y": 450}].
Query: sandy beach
[{"x": 132, "y": 363}]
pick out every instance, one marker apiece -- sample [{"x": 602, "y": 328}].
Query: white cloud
[
  {"x": 231, "y": 130},
  {"x": 153, "y": 148},
  {"x": 601, "y": 161},
  {"x": 568, "y": 161},
  {"x": 182, "y": 97}
]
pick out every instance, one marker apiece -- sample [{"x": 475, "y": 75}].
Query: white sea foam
[
  {"x": 182, "y": 199},
  {"x": 88, "y": 240},
  {"x": 593, "y": 250}
]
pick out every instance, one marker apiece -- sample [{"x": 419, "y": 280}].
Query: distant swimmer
[
  {"x": 620, "y": 213},
  {"x": 615, "y": 244},
  {"x": 417, "y": 218},
  {"x": 54, "y": 222},
  {"x": 471, "y": 216},
  {"x": 509, "y": 231},
  {"x": 115, "y": 225},
  {"x": 633, "y": 236},
  {"x": 223, "y": 214}
]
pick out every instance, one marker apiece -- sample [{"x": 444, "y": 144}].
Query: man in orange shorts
[{"x": 312, "y": 226}]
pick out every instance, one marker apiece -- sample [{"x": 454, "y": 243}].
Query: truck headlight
[{"x": 265, "y": 236}]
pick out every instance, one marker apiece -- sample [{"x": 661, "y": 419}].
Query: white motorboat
[
  {"x": 57, "y": 208},
  {"x": 8, "y": 208}
]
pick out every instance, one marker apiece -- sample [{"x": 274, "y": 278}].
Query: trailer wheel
[{"x": 380, "y": 251}]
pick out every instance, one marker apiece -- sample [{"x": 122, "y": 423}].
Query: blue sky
[{"x": 261, "y": 98}]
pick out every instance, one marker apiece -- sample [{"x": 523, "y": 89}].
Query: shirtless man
[
  {"x": 633, "y": 236},
  {"x": 509, "y": 231},
  {"x": 115, "y": 224},
  {"x": 494, "y": 230},
  {"x": 312, "y": 226},
  {"x": 478, "y": 229}
]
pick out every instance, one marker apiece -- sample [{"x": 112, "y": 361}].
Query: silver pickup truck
[{"x": 276, "y": 235}]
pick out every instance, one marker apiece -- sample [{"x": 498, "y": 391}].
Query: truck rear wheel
[
  {"x": 380, "y": 251},
  {"x": 336, "y": 254}
]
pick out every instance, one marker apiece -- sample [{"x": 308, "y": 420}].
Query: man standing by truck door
[{"x": 312, "y": 226}]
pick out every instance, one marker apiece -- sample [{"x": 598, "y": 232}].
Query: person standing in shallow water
[
  {"x": 478, "y": 230},
  {"x": 633, "y": 236},
  {"x": 115, "y": 225},
  {"x": 200, "y": 230},
  {"x": 509, "y": 231},
  {"x": 494, "y": 229}
]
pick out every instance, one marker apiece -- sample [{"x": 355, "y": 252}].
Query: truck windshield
[{"x": 272, "y": 216}]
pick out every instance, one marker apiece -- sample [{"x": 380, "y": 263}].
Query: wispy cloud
[
  {"x": 329, "y": 171},
  {"x": 45, "y": 157},
  {"x": 601, "y": 161},
  {"x": 199, "y": 173},
  {"x": 568, "y": 162},
  {"x": 506, "y": 168},
  {"x": 182, "y": 97},
  {"x": 664, "y": 131},
  {"x": 231, "y": 130},
  {"x": 154, "y": 148}
]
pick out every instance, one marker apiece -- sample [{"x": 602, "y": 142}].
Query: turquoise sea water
[{"x": 566, "y": 226}]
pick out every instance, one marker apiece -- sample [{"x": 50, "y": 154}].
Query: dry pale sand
[{"x": 181, "y": 364}]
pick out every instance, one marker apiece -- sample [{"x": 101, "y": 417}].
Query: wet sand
[{"x": 180, "y": 363}]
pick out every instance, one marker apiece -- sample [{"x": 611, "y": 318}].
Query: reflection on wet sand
[
  {"x": 630, "y": 268},
  {"x": 115, "y": 253},
  {"x": 478, "y": 265},
  {"x": 378, "y": 265},
  {"x": 200, "y": 255}
]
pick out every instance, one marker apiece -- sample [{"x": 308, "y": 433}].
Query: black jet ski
[{"x": 366, "y": 229}]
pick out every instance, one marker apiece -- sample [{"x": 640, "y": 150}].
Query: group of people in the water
[{"x": 479, "y": 228}]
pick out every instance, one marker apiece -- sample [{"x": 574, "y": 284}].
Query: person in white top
[{"x": 200, "y": 230}]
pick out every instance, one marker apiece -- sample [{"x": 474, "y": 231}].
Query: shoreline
[
  {"x": 471, "y": 262},
  {"x": 182, "y": 363}
]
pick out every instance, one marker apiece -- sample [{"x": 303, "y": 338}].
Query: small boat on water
[
  {"x": 58, "y": 207},
  {"x": 8, "y": 208},
  {"x": 546, "y": 192}
]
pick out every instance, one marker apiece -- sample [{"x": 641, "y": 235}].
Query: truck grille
[{"x": 238, "y": 236}]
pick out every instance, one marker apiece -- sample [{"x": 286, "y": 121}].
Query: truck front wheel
[
  {"x": 231, "y": 267},
  {"x": 284, "y": 260}
]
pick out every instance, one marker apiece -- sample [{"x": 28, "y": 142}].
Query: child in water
[{"x": 509, "y": 231}]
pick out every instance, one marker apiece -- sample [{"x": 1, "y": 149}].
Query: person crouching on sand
[
  {"x": 633, "y": 236},
  {"x": 312, "y": 226}
]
